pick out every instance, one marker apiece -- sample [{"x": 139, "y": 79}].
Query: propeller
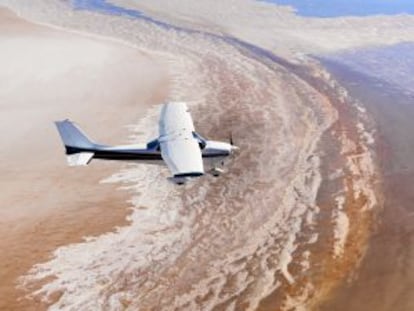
[{"x": 233, "y": 147}]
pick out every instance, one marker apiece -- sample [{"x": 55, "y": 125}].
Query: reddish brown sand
[
  {"x": 44, "y": 203},
  {"x": 385, "y": 279}
]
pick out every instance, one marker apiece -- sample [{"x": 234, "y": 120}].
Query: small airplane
[{"x": 178, "y": 145}]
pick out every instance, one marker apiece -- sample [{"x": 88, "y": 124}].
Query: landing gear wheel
[{"x": 216, "y": 171}]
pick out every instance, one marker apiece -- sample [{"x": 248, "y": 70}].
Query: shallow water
[
  {"x": 104, "y": 6},
  {"x": 391, "y": 66},
  {"x": 385, "y": 279},
  {"x": 323, "y": 8}
]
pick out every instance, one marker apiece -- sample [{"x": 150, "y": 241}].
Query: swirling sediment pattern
[{"x": 256, "y": 232}]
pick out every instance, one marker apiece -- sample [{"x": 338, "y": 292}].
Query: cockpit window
[
  {"x": 201, "y": 141},
  {"x": 154, "y": 145}
]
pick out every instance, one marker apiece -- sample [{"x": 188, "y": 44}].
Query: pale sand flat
[{"x": 49, "y": 75}]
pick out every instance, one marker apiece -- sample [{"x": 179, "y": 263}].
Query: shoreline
[
  {"x": 341, "y": 146},
  {"x": 384, "y": 274}
]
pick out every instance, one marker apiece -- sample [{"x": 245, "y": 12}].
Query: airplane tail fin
[{"x": 79, "y": 148}]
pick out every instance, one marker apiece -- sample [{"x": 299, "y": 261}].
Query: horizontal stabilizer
[{"x": 79, "y": 159}]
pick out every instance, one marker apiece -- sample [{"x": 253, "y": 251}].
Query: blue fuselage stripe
[{"x": 131, "y": 155}]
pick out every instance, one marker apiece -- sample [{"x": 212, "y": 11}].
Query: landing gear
[
  {"x": 178, "y": 180},
  {"x": 216, "y": 171}
]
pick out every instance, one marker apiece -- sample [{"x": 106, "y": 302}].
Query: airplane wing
[{"x": 179, "y": 148}]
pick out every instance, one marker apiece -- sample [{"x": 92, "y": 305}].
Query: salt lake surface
[{"x": 279, "y": 225}]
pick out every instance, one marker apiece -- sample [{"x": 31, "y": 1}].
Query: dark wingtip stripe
[{"x": 193, "y": 174}]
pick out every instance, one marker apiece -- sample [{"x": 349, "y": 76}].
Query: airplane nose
[{"x": 234, "y": 149}]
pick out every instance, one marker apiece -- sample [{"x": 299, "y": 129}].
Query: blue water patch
[
  {"x": 392, "y": 64},
  {"x": 104, "y": 6},
  {"x": 337, "y": 8}
]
